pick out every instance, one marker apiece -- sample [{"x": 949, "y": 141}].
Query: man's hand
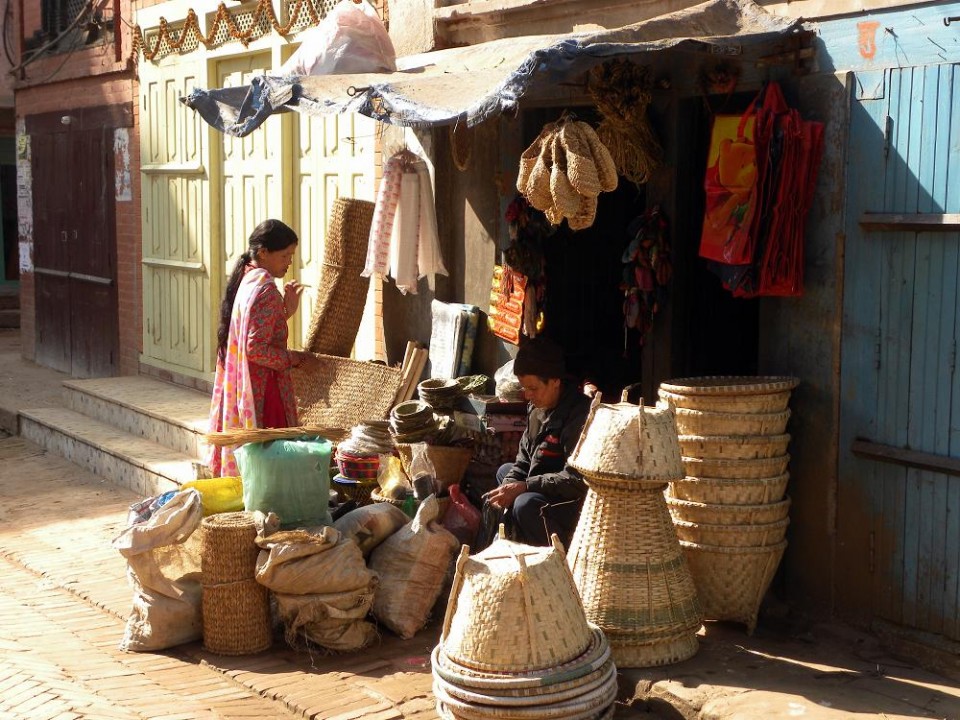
[{"x": 504, "y": 496}]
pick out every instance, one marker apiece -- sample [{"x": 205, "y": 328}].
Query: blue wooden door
[{"x": 898, "y": 526}]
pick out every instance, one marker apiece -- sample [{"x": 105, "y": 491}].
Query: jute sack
[
  {"x": 301, "y": 563},
  {"x": 370, "y": 525},
  {"x": 412, "y": 565},
  {"x": 335, "y": 621},
  {"x": 163, "y": 566}
]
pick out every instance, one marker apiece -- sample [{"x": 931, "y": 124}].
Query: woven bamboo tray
[
  {"x": 338, "y": 392},
  {"x": 730, "y": 385},
  {"x": 526, "y": 696},
  {"x": 236, "y": 618},
  {"x": 727, "y": 491},
  {"x": 737, "y": 469},
  {"x": 731, "y": 581},
  {"x": 702, "y": 422},
  {"x": 714, "y": 514},
  {"x": 774, "y": 402},
  {"x": 229, "y": 551},
  {"x": 377, "y": 497},
  {"x": 763, "y": 535},
  {"x": 734, "y": 447},
  {"x": 450, "y": 462}
]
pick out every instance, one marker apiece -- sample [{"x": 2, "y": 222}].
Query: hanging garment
[{"x": 403, "y": 236}]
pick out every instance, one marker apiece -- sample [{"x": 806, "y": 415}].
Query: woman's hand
[
  {"x": 291, "y": 297},
  {"x": 299, "y": 358},
  {"x": 504, "y": 496}
]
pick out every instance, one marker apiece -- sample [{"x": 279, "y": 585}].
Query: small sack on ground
[
  {"x": 163, "y": 566},
  {"x": 370, "y": 525},
  {"x": 412, "y": 564}
]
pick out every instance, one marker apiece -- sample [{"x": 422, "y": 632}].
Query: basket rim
[
  {"x": 736, "y": 508},
  {"x": 731, "y": 416},
  {"x": 736, "y": 481},
  {"x": 734, "y": 527},
  {"x": 734, "y": 462},
  {"x": 730, "y": 384},
  {"x": 737, "y": 439},
  {"x": 735, "y": 549}
]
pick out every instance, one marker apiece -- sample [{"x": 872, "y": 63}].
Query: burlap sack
[
  {"x": 370, "y": 525},
  {"x": 412, "y": 564},
  {"x": 301, "y": 563}
]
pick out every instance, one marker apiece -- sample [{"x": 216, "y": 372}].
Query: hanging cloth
[{"x": 403, "y": 236}]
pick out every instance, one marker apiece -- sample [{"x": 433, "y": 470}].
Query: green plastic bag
[{"x": 289, "y": 477}]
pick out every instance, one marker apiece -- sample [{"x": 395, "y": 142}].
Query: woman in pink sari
[{"x": 253, "y": 387}]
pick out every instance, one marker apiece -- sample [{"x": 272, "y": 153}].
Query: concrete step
[
  {"x": 10, "y": 318},
  {"x": 142, "y": 465},
  {"x": 164, "y": 413},
  {"x": 9, "y": 297}
]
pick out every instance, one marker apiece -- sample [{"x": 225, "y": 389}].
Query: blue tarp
[{"x": 471, "y": 84}]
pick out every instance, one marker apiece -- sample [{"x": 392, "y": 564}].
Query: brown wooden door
[{"x": 75, "y": 251}]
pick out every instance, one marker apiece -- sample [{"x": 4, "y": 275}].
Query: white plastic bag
[
  {"x": 163, "y": 565},
  {"x": 507, "y": 384},
  {"x": 350, "y": 39}
]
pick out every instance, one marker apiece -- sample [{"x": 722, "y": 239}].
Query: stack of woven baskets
[
  {"x": 730, "y": 511},
  {"x": 564, "y": 170},
  {"x": 625, "y": 558},
  {"x": 516, "y": 642}
]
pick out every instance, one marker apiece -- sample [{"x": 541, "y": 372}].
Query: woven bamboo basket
[
  {"x": 236, "y": 618},
  {"x": 731, "y": 581},
  {"x": 632, "y": 577},
  {"x": 360, "y": 491},
  {"x": 450, "y": 462},
  {"x": 701, "y": 422},
  {"x": 631, "y": 443},
  {"x": 720, "y": 385},
  {"x": 727, "y": 491},
  {"x": 229, "y": 550},
  {"x": 375, "y": 496},
  {"x": 532, "y": 682},
  {"x": 556, "y": 692},
  {"x": 446, "y": 713},
  {"x": 736, "y": 469},
  {"x": 774, "y": 402},
  {"x": 342, "y": 292},
  {"x": 734, "y": 447},
  {"x": 339, "y": 392},
  {"x": 514, "y": 608},
  {"x": 764, "y": 535},
  {"x": 715, "y": 514}
]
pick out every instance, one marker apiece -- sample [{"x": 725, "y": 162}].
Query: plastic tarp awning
[{"x": 473, "y": 83}]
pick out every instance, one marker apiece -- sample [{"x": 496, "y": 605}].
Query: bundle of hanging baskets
[{"x": 564, "y": 170}]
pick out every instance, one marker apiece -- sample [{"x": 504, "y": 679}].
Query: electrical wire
[{"x": 40, "y": 52}]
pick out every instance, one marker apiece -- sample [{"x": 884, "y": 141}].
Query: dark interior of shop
[{"x": 710, "y": 332}]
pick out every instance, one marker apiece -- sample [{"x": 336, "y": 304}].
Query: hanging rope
[{"x": 191, "y": 28}]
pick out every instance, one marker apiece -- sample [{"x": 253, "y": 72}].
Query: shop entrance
[{"x": 703, "y": 329}]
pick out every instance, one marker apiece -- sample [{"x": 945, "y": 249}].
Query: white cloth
[{"x": 403, "y": 234}]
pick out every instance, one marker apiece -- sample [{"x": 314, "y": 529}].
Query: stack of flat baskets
[
  {"x": 516, "y": 642},
  {"x": 236, "y": 608},
  {"x": 730, "y": 511},
  {"x": 625, "y": 557}
]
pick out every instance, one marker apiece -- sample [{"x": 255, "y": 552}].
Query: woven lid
[
  {"x": 628, "y": 442},
  {"x": 514, "y": 608},
  {"x": 729, "y": 385}
]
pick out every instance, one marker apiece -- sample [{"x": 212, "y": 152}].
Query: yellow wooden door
[
  {"x": 175, "y": 217},
  {"x": 251, "y": 187},
  {"x": 333, "y": 156}
]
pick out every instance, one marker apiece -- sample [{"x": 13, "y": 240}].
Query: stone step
[
  {"x": 9, "y": 318},
  {"x": 142, "y": 465},
  {"x": 164, "y": 413},
  {"x": 9, "y": 297}
]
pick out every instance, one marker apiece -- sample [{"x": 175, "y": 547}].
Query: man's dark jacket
[{"x": 546, "y": 444}]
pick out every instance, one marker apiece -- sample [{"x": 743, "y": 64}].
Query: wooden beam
[
  {"x": 906, "y": 457},
  {"x": 918, "y": 222}
]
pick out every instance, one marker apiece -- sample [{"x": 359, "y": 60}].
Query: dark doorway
[{"x": 75, "y": 246}]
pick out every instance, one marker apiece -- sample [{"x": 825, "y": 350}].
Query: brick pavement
[{"x": 64, "y": 603}]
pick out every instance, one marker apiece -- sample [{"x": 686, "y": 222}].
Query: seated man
[{"x": 542, "y": 493}]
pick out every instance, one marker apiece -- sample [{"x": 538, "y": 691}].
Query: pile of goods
[
  {"x": 516, "y": 641},
  {"x": 621, "y": 91},
  {"x": 625, "y": 557},
  {"x": 564, "y": 171},
  {"x": 730, "y": 511}
]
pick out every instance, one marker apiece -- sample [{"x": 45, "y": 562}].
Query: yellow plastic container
[{"x": 218, "y": 495}]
